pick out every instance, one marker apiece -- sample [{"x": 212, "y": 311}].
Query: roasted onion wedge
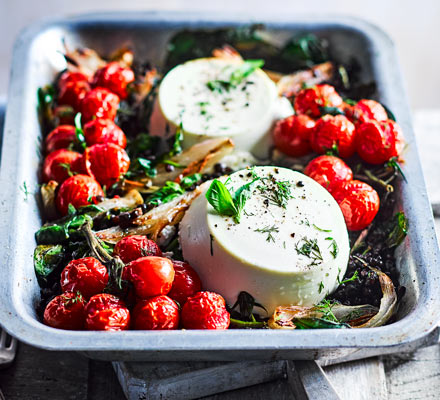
[{"x": 153, "y": 222}]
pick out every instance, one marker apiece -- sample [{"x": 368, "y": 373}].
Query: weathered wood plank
[
  {"x": 39, "y": 374},
  {"x": 102, "y": 382},
  {"x": 359, "y": 380},
  {"x": 414, "y": 376}
]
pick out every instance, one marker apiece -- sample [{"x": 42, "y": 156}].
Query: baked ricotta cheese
[
  {"x": 199, "y": 97},
  {"x": 290, "y": 246}
]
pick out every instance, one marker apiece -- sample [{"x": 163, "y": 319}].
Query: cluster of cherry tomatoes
[
  {"x": 164, "y": 294},
  {"x": 362, "y": 128},
  {"x": 83, "y": 176}
]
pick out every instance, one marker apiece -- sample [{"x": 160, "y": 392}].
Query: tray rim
[{"x": 35, "y": 333}]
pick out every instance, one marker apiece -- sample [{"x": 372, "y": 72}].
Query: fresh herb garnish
[
  {"x": 393, "y": 163},
  {"x": 325, "y": 306},
  {"x": 269, "y": 230},
  {"x": 79, "y": 131},
  {"x": 334, "y": 247},
  {"x": 332, "y": 151},
  {"x": 237, "y": 76},
  {"x": 398, "y": 229},
  {"x": 320, "y": 229},
  {"x": 321, "y": 287},
  {"x": 24, "y": 189},
  {"x": 219, "y": 196},
  {"x": 276, "y": 192},
  {"x": 171, "y": 190},
  {"x": 67, "y": 167},
  {"x": 354, "y": 277},
  {"x": 310, "y": 249}
]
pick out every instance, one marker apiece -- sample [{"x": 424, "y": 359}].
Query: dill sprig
[
  {"x": 276, "y": 192},
  {"x": 269, "y": 230},
  {"x": 310, "y": 249}
]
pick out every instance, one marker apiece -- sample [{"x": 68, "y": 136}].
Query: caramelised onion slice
[{"x": 334, "y": 315}]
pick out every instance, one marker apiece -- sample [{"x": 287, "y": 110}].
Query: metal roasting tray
[{"x": 37, "y": 59}]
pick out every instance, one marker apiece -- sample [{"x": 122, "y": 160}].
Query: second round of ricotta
[
  {"x": 286, "y": 250},
  {"x": 245, "y": 113}
]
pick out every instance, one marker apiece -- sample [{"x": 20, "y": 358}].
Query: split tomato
[
  {"x": 105, "y": 312},
  {"x": 106, "y": 163},
  {"x": 60, "y": 164},
  {"x": 329, "y": 171},
  {"x": 205, "y": 310},
  {"x": 308, "y": 101},
  {"x": 292, "y": 135},
  {"x": 132, "y": 247},
  {"x": 115, "y": 78},
  {"x": 156, "y": 313},
  {"x": 85, "y": 275},
  {"x": 104, "y": 131},
  {"x": 78, "y": 190},
  {"x": 99, "y": 103},
  {"x": 65, "y": 311}
]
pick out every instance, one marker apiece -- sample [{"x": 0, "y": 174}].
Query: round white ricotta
[
  {"x": 290, "y": 247},
  {"x": 244, "y": 112}
]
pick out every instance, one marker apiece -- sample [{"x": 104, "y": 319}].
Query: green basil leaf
[
  {"x": 220, "y": 198},
  {"x": 244, "y": 70}
]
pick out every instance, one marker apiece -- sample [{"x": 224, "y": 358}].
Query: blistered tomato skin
[
  {"x": 156, "y": 313},
  {"x": 60, "y": 138},
  {"x": 78, "y": 190},
  {"x": 99, "y": 131},
  {"x": 132, "y": 247},
  {"x": 65, "y": 311},
  {"x": 396, "y": 132},
  {"x": 292, "y": 135},
  {"x": 150, "y": 276},
  {"x": 115, "y": 78},
  {"x": 186, "y": 282},
  {"x": 56, "y": 165},
  {"x": 99, "y": 103},
  {"x": 106, "y": 163},
  {"x": 359, "y": 203},
  {"x": 105, "y": 312},
  {"x": 205, "y": 310},
  {"x": 377, "y": 142},
  {"x": 333, "y": 131},
  {"x": 69, "y": 77},
  {"x": 72, "y": 90},
  {"x": 85, "y": 275},
  {"x": 309, "y": 100},
  {"x": 329, "y": 171},
  {"x": 365, "y": 110}
]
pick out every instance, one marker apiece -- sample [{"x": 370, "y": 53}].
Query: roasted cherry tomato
[
  {"x": 334, "y": 131},
  {"x": 365, "y": 110},
  {"x": 156, "y": 313},
  {"x": 114, "y": 77},
  {"x": 106, "y": 163},
  {"x": 151, "y": 276},
  {"x": 99, "y": 103},
  {"x": 85, "y": 275},
  {"x": 292, "y": 135},
  {"x": 205, "y": 310},
  {"x": 377, "y": 142},
  {"x": 308, "y": 101},
  {"x": 60, "y": 138},
  {"x": 329, "y": 171},
  {"x": 78, "y": 190},
  {"x": 132, "y": 247},
  {"x": 65, "y": 311},
  {"x": 69, "y": 77},
  {"x": 72, "y": 88},
  {"x": 186, "y": 282},
  {"x": 60, "y": 164},
  {"x": 359, "y": 203},
  {"x": 105, "y": 312},
  {"x": 104, "y": 131}
]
